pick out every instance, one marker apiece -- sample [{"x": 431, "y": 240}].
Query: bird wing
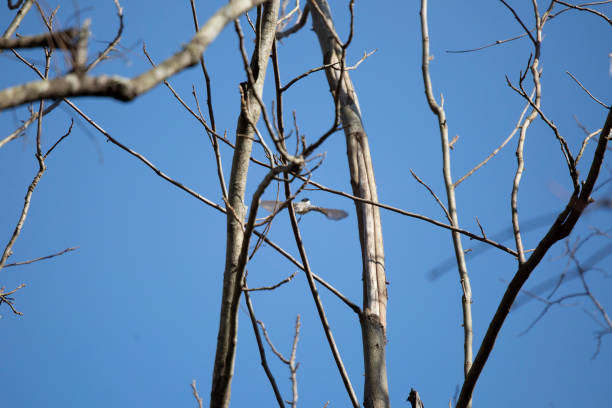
[
  {"x": 331, "y": 213},
  {"x": 271, "y": 205}
]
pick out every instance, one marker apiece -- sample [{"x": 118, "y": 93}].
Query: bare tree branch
[
  {"x": 10, "y": 30},
  {"x": 560, "y": 229},
  {"x": 464, "y": 279},
  {"x": 318, "y": 303},
  {"x": 126, "y": 89},
  {"x": 42, "y": 258},
  {"x": 587, "y": 91},
  {"x": 262, "y": 351}
]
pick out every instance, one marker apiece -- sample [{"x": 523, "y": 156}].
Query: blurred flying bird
[{"x": 304, "y": 206}]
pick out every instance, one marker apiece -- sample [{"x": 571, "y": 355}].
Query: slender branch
[
  {"x": 42, "y": 258},
  {"x": 319, "y": 305},
  {"x": 587, "y": 91},
  {"x": 498, "y": 42},
  {"x": 464, "y": 279},
  {"x": 104, "y": 54},
  {"x": 5, "y": 298},
  {"x": 293, "y": 367},
  {"x": 297, "y": 26},
  {"x": 421, "y": 182},
  {"x": 55, "y": 39},
  {"x": 21, "y": 129},
  {"x": 196, "y": 395},
  {"x": 516, "y": 16},
  {"x": 126, "y": 89},
  {"x": 262, "y": 351},
  {"x": 60, "y": 139},
  {"x": 144, "y": 159},
  {"x": 8, "y": 250},
  {"x": 272, "y": 287},
  {"x": 597, "y": 13},
  {"x": 497, "y": 150},
  {"x": 211, "y": 115},
  {"x": 10, "y": 30},
  {"x": 208, "y": 202},
  {"x": 560, "y": 229}
]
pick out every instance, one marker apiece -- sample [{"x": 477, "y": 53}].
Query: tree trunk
[
  {"x": 232, "y": 277},
  {"x": 374, "y": 317}
]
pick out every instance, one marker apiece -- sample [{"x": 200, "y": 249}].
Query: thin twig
[
  {"x": 21, "y": 129},
  {"x": 8, "y": 250},
  {"x": 297, "y": 26},
  {"x": 319, "y": 305},
  {"x": 497, "y": 150},
  {"x": 10, "y": 30},
  {"x": 448, "y": 217},
  {"x": 262, "y": 351},
  {"x": 560, "y": 229},
  {"x": 272, "y": 287},
  {"x": 211, "y": 115},
  {"x": 101, "y": 56},
  {"x": 597, "y": 13},
  {"x": 498, "y": 42},
  {"x": 5, "y": 298},
  {"x": 464, "y": 279},
  {"x": 42, "y": 258},
  {"x": 60, "y": 139},
  {"x": 587, "y": 91},
  {"x": 195, "y": 393}
]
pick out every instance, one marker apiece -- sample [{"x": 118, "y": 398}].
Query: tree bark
[
  {"x": 232, "y": 277},
  {"x": 374, "y": 318}
]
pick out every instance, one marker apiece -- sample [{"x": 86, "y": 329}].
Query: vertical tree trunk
[
  {"x": 228, "y": 323},
  {"x": 374, "y": 318}
]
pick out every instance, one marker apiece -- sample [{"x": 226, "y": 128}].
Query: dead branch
[
  {"x": 42, "y": 258},
  {"x": 262, "y": 351},
  {"x": 126, "y": 89}
]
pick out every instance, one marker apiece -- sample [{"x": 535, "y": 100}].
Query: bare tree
[{"x": 262, "y": 137}]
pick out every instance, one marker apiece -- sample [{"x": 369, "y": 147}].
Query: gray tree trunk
[
  {"x": 232, "y": 277},
  {"x": 374, "y": 317}
]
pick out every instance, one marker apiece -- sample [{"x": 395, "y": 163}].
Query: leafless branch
[
  {"x": 415, "y": 399},
  {"x": 587, "y": 91},
  {"x": 497, "y": 150},
  {"x": 448, "y": 217},
  {"x": 144, "y": 159},
  {"x": 18, "y": 18},
  {"x": 57, "y": 39},
  {"x": 195, "y": 393},
  {"x": 60, "y": 139},
  {"x": 42, "y": 258},
  {"x": 318, "y": 303},
  {"x": 21, "y": 129},
  {"x": 211, "y": 115},
  {"x": 297, "y": 26},
  {"x": 516, "y": 16},
  {"x": 560, "y": 229},
  {"x": 5, "y": 297},
  {"x": 262, "y": 351},
  {"x": 104, "y": 54},
  {"x": 293, "y": 367},
  {"x": 8, "y": 250},
  {"x": 286, "y": 280},
  {"x": 498, "y": 42},
  {"x": 464, "y": 278},
  {"x": 597, "y": 13},
  {"x": 125, "y": 89}
]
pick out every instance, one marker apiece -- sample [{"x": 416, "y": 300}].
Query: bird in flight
[{"x": 304, "y": 206}]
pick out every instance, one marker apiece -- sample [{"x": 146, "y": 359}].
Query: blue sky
[{"x": 130, "y": 318}]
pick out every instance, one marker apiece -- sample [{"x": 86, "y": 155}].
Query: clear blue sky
[{"x": 130, "y": 318}]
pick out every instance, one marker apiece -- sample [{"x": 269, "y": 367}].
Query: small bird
[{"x": 304, "y": 206}]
